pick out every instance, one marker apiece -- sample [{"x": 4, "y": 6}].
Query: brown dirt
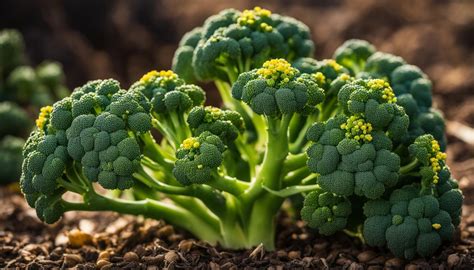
[{"x": 124, "y": 39}]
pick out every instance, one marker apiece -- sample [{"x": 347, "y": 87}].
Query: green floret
[
  {"x": 10, "y": 159},
  {"x": 233, "y": 42},
  {"x": 412, "y": 225},
  {"x": 198, "y": 157},
  {"x": 325, "y": 211},
  {"x": 353, "y": 54},
  {"x": 277, "y": 88},
  {"x": 15, "y": 121},
  {"x": 224, "y": 123},
  {"x": 381, "y": 65},
  {"x": 11, "y": 50}
]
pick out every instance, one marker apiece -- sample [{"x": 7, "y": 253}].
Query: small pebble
[
  {"x": 378, "y": 260},
  {"x": 281, "y": 254},
  {"x": 79, "y": 238},
  {"x": 104, "y": 255},
  {"x": 355, "y": 266},
  {"x": 171, "y": 256},
  {"x": 453, "y": 260},
  {"x": 411, "y": 267},
  {"x": 394, "y": 263},
  {"x": 71, "y": 260},
  {"x": 366, "y": 256},
  {"x": 165, "y": 231},
  {"x": 130, "y": 257},
  {"x": 293, "y": 255},
  {"x": 185, "y": 245},
  {"x": 152, "y": 260},
  {"x": 101, "y": 263}
]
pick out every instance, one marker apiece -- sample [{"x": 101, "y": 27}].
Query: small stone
[
  {"x": 185, "y": 245},
  {"x": 130, "y": 257},
  {"x": 320, "y": 246},
  {"x": 165, "y": 231},
  {"x": 355, "y": 266},
  {"x": 412, "y": 266},
  {"x": 453, "y": 260},
  {"x": 104, "y": 255},
  {"x": 152, "y": 260},
  {"x": 171, "y": 256},
  {"x": 281, "y": 254},
  {"x": 374, "y": 267},
  {"x": 366, "y": 256},
  {"x": 79, "y": 238},
  {"x": 294, "y": 255},
  {"x": 378, "y": 260},
  {"x": 394, "y": 263},
  {"x": 343, "y": 261},
  {"x": 101, "y": 263},
  {"x": 71, "y": 260}
]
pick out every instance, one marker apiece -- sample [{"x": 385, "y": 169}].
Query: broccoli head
[
  {"x": 409, "y": 224},
  {"x": 326, "y": 211},
  {"x": 197, "y": 158},
  {"x": 232, "y": 42},
  {"x": 353, "y": 54},
  {"x": 277, "y": 88},
  {"x": 10, "y": 159},
  {"x": 14, "y": 119},
  {"x": 11, "y": 50}
]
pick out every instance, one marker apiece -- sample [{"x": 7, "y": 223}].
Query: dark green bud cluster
[
  {"x": 326, "y": 71},
  {"x": 349, "y": 164},
  {"x": 326, "y": 211},
  {"x": 169, "y": 93},
  {"x": 376, "y": 102},
  {"x": 15, "y": 121},
  {"x": 428, "y": 152},
  {"x": 353, "y": 54},
  {"x": 10, "y": 159},
  {"x": 411, "y": 86},
  {"x": 11, "y": 50},
  {"x": 277, "y": 88},
  {"x": 242, "y": 40},
  {"x": 226, "y": 124},
  {"x": 197, "y": 158},
  {"x": 409, "y": 224}
]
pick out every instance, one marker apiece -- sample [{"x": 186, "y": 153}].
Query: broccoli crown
[
  {"x": 326, "y": 211},
  {"x": 197, "y": 158},
  {"x": 353, "y": 54},
  {"x": 409, "y": 224},
  {"x": 96, "y": 127},
  {"x": 50, "y": 74},
  {"x": 226, "y": 124},
  {"x": 10, "y": 159},
  {"x": 428, "y": 152},
  {"x": 449, "y": 195},
  {"x": 15, "y": 121},
  {"x": 375, "y": 100},
  {"x": 381, "y": 65},
  {"x": 277, "y": 88},
  {"x": 169, "y": 93},
  {"x": 11, "y": 50},
  {"x": 353, "y": 152},
  {"x": 240, "y": 39}
]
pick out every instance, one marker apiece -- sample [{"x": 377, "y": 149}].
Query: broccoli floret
[
  {"x": 10, "y": 159},
  {"x": 15, "y": 120},
  {"x": 409, "y": 224},
  {"x": 277, "y": 88},
  {"x": 353, "y": 54},
  {"x": 197, "y": 158},
  {"x": 234, "y": 41},
  {"x": 325, "y": 211},
  {"x": 11, "y": 50}
]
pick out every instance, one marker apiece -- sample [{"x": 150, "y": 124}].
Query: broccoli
[
  {"x": 15, "y": 121},
  {"x": 11, "y": 51},
  {"x": 10, "y": 159},
  {"x": 411, "y": 86},
  {"x": 339, "y": 133}
]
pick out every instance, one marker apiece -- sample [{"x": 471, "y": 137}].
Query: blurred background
[{"x": 123, "y": 39}]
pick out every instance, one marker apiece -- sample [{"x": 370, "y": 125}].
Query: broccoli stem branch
[
  {"x": 294, "y": 162},
  {"x": 295, "y": 177},
  {"x": 228, "y": 184},
  {"x": 409, "y": 167},
  {"x": 152, "y": 209}
]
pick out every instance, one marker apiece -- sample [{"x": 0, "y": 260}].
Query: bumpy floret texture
[
  {"x": 197, "y": 158},
  {"x": 10, "y": 159},
  {"x": 226, "y": 124},
  {"x": 244, "y": 40},
  {"x": 409, "y": 224},
  {"x": 325, "y": 211},
  {"x": 168, "y": 93},
  {"x": 277, "y": 88},
  {"x": 353, "y": 54},
  {"x": 352, "y": 162},
  {"x": 376, "y": 102},
  {"x": 14, "y": 120},
  {"x": 411, "y": 86}
]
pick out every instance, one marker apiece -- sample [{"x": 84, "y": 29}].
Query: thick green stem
[
  {"x": 152, "y": 209},
  {"x": 261, "y": 224},
  {"x": 409, "y": 167},
  {"x": 294, "y": 162},
  {"x": 228, "y": 184},
  {"x": 295, "y": 177}
]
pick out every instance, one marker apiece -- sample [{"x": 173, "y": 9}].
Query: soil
[{"x": 124, "y": 39}]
